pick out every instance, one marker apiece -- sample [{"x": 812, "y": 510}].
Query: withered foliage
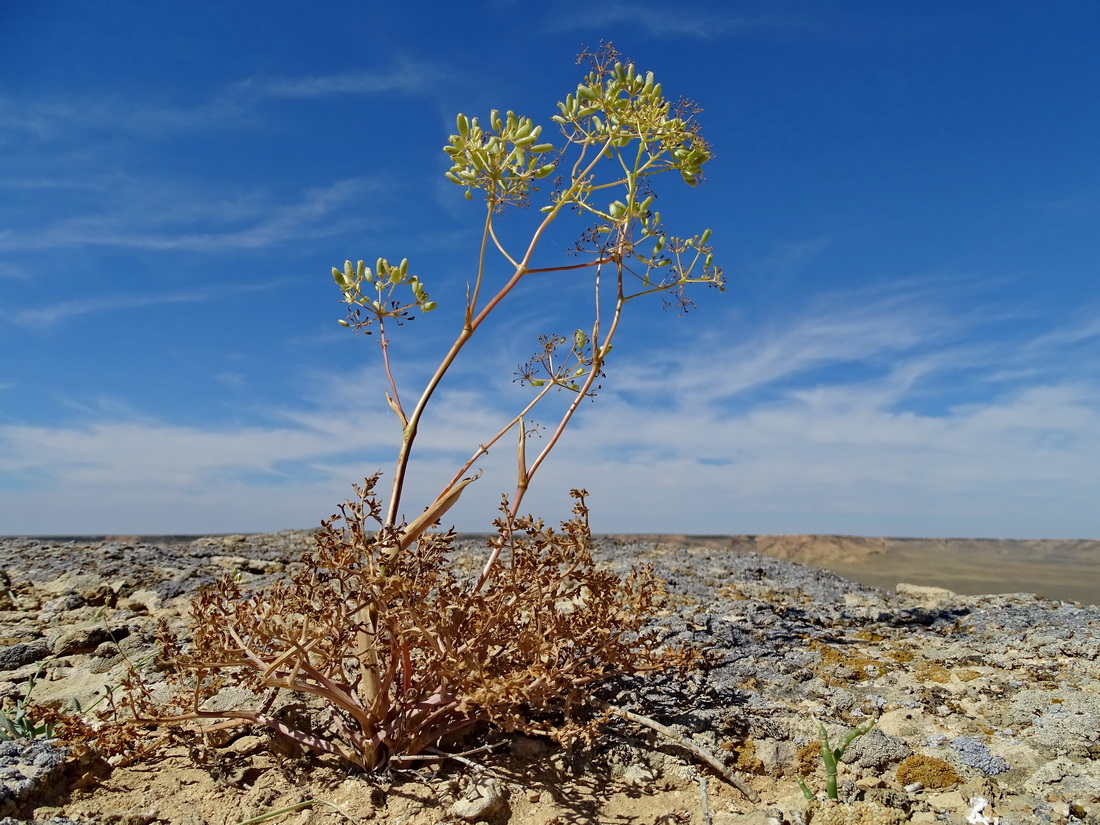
[{"x": 398, "y": 651}]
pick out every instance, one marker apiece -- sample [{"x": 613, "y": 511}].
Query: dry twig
[{"x": 687, "y": 744}]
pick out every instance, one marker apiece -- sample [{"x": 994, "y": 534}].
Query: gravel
[{"x": 1004, "y": 688}]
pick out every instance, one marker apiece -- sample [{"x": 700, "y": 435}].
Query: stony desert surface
[
  {"x": 984, "y": 707},
  {"x": 1055, "y": 568}
]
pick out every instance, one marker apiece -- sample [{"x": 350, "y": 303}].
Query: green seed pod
[
  {"x": 705, "y": 236},
  {"x": 709, "y": 262},
  {"x": 539, "y": 148},
  {"x": 463, "y": 125},
  {"x": 428, "y": 306}
]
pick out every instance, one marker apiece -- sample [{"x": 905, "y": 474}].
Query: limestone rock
[{"x": 483, "y": 799}]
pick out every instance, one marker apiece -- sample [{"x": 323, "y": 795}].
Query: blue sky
[{"x": 905, "y": 198}]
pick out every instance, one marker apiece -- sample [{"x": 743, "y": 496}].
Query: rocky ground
[{"x": 986, "y": 708}]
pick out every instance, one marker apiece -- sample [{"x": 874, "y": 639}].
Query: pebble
[{"x": 483, "y": 799}]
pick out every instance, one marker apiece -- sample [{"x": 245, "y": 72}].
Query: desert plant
[
  {"x": 620, "y": 134},
  {"x": 831, "y": 756},
  {"x": 21, "y": 719},
  {"x": 377, "y": 624},
  {"x": 520, "y": 653}
]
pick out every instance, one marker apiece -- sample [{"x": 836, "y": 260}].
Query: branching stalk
[{"x": 377, "y": 625}]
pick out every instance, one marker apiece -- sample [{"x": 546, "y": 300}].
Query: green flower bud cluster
[
  {"x": 616, "y": 106},
  {"x": 502, "y": 161},
  {"x": 618, "y": 211},
  {"x": 565, "y": 370},
  {"x": 684, "y": 256},
  {"x": 384, "y": 279}
]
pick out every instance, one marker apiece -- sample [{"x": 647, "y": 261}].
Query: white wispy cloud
[
  {"x": 866, "y": 326},
  {"x": 666, "y": 21},
  {"x": 62, "y": 119},
  {"x": 1083, "y": 331},
  {"x": 407, "y": 77},
  {"x": 793, "y": 256},
  {"x": 57, "y": 311},
  {"x": 8, "y": 270},
  {"x": 858, "y": 454},
  {"x": 171, "y": 215},
  {"x": 230, "y": 107}
]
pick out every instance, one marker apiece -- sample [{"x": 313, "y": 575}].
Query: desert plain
[{"x": 1067, "y": 569}]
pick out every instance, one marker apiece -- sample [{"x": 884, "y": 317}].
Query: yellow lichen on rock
[
  {"x": 928, "y": 770},
  {"x": 932, "y": 672}
]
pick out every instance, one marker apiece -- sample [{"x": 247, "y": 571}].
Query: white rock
[
  {"x": 927, "y": 595},
  {"x": 484, "y": 798}
]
